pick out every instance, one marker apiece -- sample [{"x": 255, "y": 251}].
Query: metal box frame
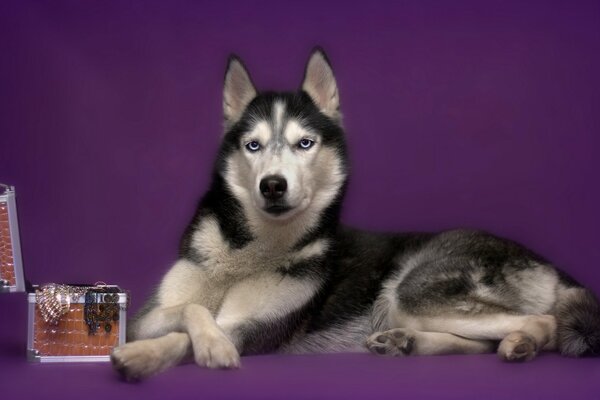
[{"x": 7, "y": 200}]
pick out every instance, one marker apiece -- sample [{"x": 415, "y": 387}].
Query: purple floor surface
[{"x": 333, "y": 376}]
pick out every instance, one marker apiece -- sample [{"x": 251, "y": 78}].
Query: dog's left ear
[
  {"x": 238, "y": 91},
  {"x": 319, "y": 83}
]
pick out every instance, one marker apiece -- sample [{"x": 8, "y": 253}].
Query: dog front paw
[
  {"x": 136, "y": 361},
  {"x": 216, "y": 352}
]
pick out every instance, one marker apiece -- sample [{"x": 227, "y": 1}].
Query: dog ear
[
  {"x": 319, "y": 83},
  {"x": 238, "y": 91}
]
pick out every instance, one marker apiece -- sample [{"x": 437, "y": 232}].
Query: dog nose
[{"x": 273, "y": 187}]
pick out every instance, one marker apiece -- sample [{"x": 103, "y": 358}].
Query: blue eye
[
  {"x": 306, "y": 144},
  {"x": 253, "y": 146}
]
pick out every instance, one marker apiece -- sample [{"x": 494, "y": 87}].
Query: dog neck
[{"x": 240, "y": 226}]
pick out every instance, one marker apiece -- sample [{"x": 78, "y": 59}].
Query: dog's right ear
[{"x": 238, "y": 91}]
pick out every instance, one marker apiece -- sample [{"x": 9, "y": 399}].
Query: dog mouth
[
  {"x": 277, "y": 209},
  {"x": 281, "y": 209}
]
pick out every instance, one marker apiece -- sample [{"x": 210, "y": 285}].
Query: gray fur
[{"x": 578, "y": 316}]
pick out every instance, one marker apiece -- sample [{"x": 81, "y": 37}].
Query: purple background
[{"x": 473, "y": 114}]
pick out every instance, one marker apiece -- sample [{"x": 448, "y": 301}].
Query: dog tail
[{"x": 578, "y": 322}]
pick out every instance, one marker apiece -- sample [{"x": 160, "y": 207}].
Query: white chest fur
[{"x": 235, "y": 282}]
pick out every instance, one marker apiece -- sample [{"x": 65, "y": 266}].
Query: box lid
[{"x": 12, "y": 278}]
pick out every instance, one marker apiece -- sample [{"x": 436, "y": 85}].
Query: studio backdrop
[{"x": 479, "y": 114}]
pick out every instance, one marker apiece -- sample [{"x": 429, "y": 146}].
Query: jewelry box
[
  {"x": 75, "y": 323},
  {"x": 66, "y": 323}
]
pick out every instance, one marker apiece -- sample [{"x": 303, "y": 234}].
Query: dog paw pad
[
  {"x": 517, "y": 346},
  {"x": 394, "y": 342}
]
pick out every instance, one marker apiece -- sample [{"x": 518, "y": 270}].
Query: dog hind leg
[
  {"x": 405, "y": 341},
  {"x": 522, "y": 336},
  {"x": 538, "y": 332}
]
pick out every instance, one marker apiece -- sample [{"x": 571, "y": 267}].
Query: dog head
[{"x": 283, "y": 154}]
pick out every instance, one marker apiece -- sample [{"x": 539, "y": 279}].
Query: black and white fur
[{"x": 264, "y": 265}]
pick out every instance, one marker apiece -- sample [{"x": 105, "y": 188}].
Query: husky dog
[{"x": 264, "y": 266}]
